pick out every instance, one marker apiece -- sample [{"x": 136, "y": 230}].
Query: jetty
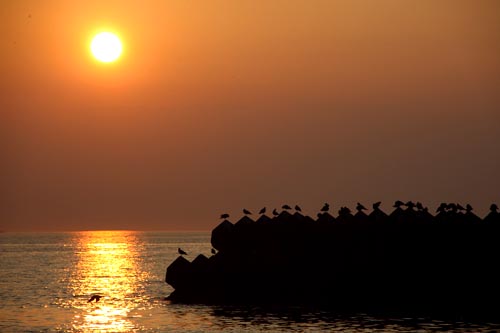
[{"x": 408, "y": 260}]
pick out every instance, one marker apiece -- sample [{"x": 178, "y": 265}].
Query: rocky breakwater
[{"x": 409, "y": 259}]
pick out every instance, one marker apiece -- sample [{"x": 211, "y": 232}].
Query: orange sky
[{"x": 219, "y": 105}]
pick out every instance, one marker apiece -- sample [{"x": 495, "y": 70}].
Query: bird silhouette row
[{"x": 398, "y": 204}]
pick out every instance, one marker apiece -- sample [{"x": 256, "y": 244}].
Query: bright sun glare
[{"x": 106, "y": 47}]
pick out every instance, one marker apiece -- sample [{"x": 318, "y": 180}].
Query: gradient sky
[{"x": 221, "y": 105}]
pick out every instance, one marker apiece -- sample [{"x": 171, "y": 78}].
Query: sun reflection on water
[{"x": 107, "y": 265}]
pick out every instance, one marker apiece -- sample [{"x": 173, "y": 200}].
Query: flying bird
[
  {"x": 325, "y": 207},
  {"x": 262, "y": 211},
  {"x": 224, "y": 216},
  {"x": 94, "y": 298},
  {"x": 246, "y": 212},
  {"x": 297, "y": 208},
  {"x": 181, "y": 251},
  {"x": 275, "y": 212}
]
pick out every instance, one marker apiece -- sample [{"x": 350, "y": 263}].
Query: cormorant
[
  {"x": 297, "y": 208},
  {"x": 246, "y": 212},
  {"x": 94, "y": 298},
  {"x": 262, "y": 211},
  {"x": 181, "y": 251},
  {"x": 224, "y": 216}
]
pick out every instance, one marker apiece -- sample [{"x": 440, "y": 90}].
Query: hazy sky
[{"x": 221, "y": 105}]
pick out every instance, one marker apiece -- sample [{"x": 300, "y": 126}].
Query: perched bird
[
  {"x": 398, "y": 204},
  {"x": 213, "y": 251},
  {"x": 224, "y": 216},
  {"x": 360, "y": 207},
  {"x": 297, "y": 208},
  {"x": 376, "y": 205},
  {"x": 262, "y": 211},
  {"x": 94, "y": 298},
  {"x": 181, "y": 251},
  {"x": 246, "y": 212},
  {"x": 419, "y": 206},
  {"x": 468, "y": 208},
  {"x": 493, "y": 207},
  {"x": 275, "y": 212},
  {"x": 410, "y": 205},
  {"x": 325, "y": 207},
  {"x": 286, "y": 207}
]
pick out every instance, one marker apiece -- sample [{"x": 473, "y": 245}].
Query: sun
[{"x": 106, "y": 47}]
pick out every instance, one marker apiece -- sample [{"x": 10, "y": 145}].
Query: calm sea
[{"x": 47, "y": 278}]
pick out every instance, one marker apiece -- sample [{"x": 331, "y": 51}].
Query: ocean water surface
[{"x": 46, "y": 280}]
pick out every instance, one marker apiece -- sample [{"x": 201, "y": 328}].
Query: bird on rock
[
  {"x": 246, "y": 212},
  {"x": 297, "y": 208},
  {"x": 275, "y": 212},
  {"x": 325, "y": 208},
  {"x": 262, "y": 211},
  {"x": 286, "y": 207},
  {"x": 181, "y": 251},
  {"x": 360, "y": 207},
  {"x": 224, "y": 216}
]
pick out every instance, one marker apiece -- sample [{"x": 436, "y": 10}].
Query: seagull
[
  {"x": 262, "y": 211},
  {"x": 181, "y": 251},
  {"x": 94, "y": 298},
  {"x": 246, "y": 212},
  {"x": 493, "y": 207},
  {"x": 286, "y": 207},
  {"x": 297, "y": 208},
  {"x": 275, "y": 212},
  {"x": 360, "y": 207},
  {"x": 325, "y": 208},
  {"x": 468, "y": 208},
  {"x": 376, "y": 205},
  {"x": 224, "y": 216},
  {"x": 398, "y": 204}
]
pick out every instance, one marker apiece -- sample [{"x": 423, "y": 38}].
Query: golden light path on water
[{"x": 107, "y": 265}]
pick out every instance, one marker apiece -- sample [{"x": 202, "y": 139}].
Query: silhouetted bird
[
  {"x": 468, "y": 208},
  {"x": 286, "y": 207},
  {"x": 262, "y": 211},
  {"x": 94, "y": 298},
  {"x": 297, "y": 208},
  {"x": 376, "y": 205},
  {"x": 360, "y": 207},
  {"x": 275, "y": 212},
  {"x": 419, "y": 206},
  {"x": 181, "y": 251},
  {"x": 398, "y": 203},
  {"x": 493, "y": 208},
  {"x": 224, "y": 216},
  {"x": 247, "y": 212},
  {"x": 410, "y": 205},
  {"x": 213, "y": 251},
  {"x": 325, "y": 208}
]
